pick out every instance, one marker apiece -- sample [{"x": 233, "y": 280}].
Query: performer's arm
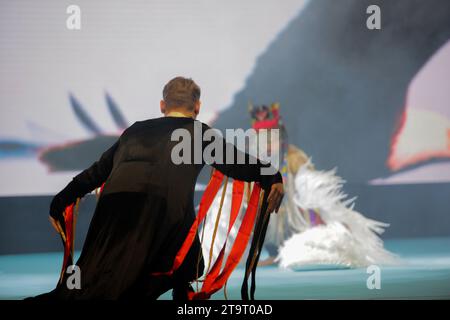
[
  {"x": 250, "y": 170},
  {"x": 253, "y": 169},
  {"x": 89, "y": 179}
]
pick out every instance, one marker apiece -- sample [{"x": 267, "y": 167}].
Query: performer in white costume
[{"x": 316, "y": 224}]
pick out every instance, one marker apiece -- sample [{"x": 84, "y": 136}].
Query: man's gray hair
[{"x": 181, "y": 92}]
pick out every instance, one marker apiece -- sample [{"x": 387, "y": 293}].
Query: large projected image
[
  {"x": 98, "y": 84},
  {"x": 424, "y": 131},
  {"x": 97, "y": 80}
]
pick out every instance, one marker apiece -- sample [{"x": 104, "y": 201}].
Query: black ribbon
[{"x": 257, "y": 243}]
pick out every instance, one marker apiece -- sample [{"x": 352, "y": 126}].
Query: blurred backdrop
[{"x": 375, "y": 104}]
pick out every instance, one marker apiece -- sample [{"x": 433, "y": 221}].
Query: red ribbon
[
  {"x": 205, "y": 203},
  {"x": 215, "y": 281},
  {"x": 68, "y": 244}
]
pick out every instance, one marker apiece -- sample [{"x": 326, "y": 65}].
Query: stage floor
[{"x": 423, "y": 274}]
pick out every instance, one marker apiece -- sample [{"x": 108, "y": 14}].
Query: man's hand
[
  {"x": 56, "y": 216},
  {"x": 275, "y": 197}
]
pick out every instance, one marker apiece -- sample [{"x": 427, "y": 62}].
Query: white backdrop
[{"x": 127, "y": 48}]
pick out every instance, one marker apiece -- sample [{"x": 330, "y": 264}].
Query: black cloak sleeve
[
  {"x": 89, "y": 179},
  {"x": 248, "y": 170}
]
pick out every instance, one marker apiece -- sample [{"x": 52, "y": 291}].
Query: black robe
[{"x": 143, "y": 214}]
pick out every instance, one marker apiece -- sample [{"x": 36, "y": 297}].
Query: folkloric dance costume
[
  {"x": 316, "y": 224},
  {"x": 143, "y": 238}
]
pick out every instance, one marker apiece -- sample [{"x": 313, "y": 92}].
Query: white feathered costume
[{"x": 343, "y": 236}]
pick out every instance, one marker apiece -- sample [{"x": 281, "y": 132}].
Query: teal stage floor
[{"x": 424, "y": 273}]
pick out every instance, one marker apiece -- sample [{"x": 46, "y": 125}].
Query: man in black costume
[{"x": 146, "y": 207}]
